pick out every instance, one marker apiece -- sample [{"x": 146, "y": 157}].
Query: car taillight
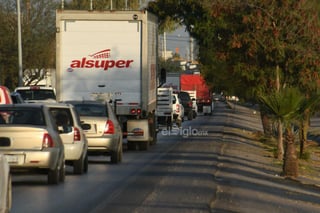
[
  {"x": 109, "y": 128},
  {"x": 133, "y": 111},
  {"x": 47, "y": 141},
  {"x": 77, "y": 135},
  {"x": 190, "y": 104}
]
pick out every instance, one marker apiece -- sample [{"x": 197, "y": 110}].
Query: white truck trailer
[
  {"x": 111, "y": 55},
  {"x": 165, "y": 107}
]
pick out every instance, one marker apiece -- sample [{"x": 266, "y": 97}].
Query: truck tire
[
  {"x": 131, "y": 145},
  {"x": 143, "y": 146}
]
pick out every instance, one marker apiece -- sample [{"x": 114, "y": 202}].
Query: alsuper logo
[{"x": 100, "y": 59}]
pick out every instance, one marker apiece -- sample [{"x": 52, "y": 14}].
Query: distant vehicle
[
  {"x": 72, "y": 135},
  {"x": 189, "y": 82},
  {"x": 31, "y": 142},
  {"x": 32, "y": 94},
  {"x": 102, "y": 129},
  {"x": 178, "y": 110},
  {"x": 193, "y": 96},
  {"x": 16, "y": 98},
  {"x": 164, "y": 106},
  {"x": 187, "y": 104},
  {"x": 118, "y": 61},
  {"x": 5, "y": 97},
  {"x": 5, "y": 186}
]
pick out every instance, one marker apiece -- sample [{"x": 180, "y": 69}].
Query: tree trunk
[
  {"x": 280, "y": 150},
  {"x": 290, "y": 165},
  {"x": 303, "y": 131},
  {"x": 266, "y": 124}
]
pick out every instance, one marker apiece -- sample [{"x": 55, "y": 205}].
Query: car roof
[
  {"x": 85, "y": 102},
  {"x": 23, "y": 105},
  {"x": 58, "y": 104},
  {"x": 33, "y": 87}
]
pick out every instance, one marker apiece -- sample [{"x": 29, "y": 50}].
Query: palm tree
[{"x": 285, "y": 107}]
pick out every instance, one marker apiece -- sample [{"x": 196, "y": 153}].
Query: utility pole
[
  {"x": 191, "y": 49},
  {"x": 19, "y": 45}
]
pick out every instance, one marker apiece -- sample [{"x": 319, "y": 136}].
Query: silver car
[
  {"x": 102, "y": 129},
  {"x": 72, "y": 135},
  {"x": 30, "y": 140},
  {"x": 5, "y": 185}
]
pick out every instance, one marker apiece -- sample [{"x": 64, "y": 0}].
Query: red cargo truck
[{"x": 195, "y": 82}]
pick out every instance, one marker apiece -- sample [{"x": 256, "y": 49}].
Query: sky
[{"x": 178, "y": 42}]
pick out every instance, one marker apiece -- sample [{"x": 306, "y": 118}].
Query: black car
[{"x": 186, "y": 103}]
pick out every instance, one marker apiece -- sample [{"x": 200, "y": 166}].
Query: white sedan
[{"x": 5, "y": 186}]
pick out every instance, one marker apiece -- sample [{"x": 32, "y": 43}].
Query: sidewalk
[{"x": 254, "y": 125}]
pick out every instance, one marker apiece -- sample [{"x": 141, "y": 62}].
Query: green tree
[
  {"x": 260, "y": 44},
  {"x": 38, "y": 38}
]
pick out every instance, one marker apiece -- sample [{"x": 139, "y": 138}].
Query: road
[{"x": 209, "y": 165}]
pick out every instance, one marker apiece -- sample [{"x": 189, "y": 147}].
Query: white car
[
  {"x": 102, "y": 129},
  {"x": 178, "y": 110},
  {"x": 72, "y": 135},
  {"x": 31, "y": 142},
  {"x": 31, "y": 94},
  {"x": 5, "y": 185}
]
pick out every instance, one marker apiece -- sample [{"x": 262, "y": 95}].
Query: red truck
[{"x": 195, "y": 82}]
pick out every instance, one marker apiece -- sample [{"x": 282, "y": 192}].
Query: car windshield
[
  {"x": 21, "y": 116},
  {"x": 40, "y": 94},
  {"x": 97, "y": 110}
]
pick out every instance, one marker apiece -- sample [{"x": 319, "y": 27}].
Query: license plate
[{"x": 13, "y": 159}]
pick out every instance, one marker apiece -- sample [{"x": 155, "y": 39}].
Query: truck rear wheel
[
  {"x": 131, "y": 145},
  {"x": 143, "y": 146}
]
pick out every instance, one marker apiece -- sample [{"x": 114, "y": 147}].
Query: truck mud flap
[{"x": 138, "y": 130}]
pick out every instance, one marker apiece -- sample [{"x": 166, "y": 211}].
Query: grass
[{"x": 309, "y": 163}]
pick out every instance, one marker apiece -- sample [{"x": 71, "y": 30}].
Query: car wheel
[
  {"x": 78, "y": 166},
  {"x": 86, "y": 164},
  {"x": 116, "y": 156},
  {"x": 62, "y": 173},
  {"x": 53, "y": 176},
  {"x": 9, "y": 194},
  {"x": 190, "y": 115}
]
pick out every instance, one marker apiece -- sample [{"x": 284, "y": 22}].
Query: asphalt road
[{"x": 211, "y": 164}]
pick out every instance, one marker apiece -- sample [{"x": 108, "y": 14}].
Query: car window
[
  {"x": 91, "y": 110},
  {"x": 22, "y": 116},
  {"x": 184, "y": 96},
  {"x": 63, "y": 119},
  {"x": 41, "y": 94}
]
